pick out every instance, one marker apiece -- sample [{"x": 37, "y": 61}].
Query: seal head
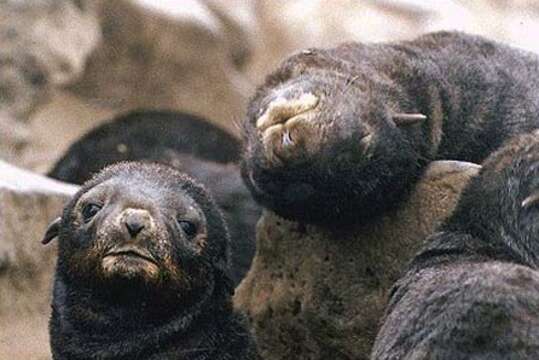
[
  {"x": 325, "y": 146},
  {"x": 142, "y": 271},
  {"x": 142, "y": 227}
]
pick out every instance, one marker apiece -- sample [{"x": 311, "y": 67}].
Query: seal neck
[{"x": 95, "y": 326}]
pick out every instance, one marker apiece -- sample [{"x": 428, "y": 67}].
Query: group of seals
[
  {"x": 333, "y": 136},
  {"x": 473, "y": 292},
  {"x": 142, "y": 271},
  {"x": 185, "y": 141},
  {"x": 341, "y": 135}
]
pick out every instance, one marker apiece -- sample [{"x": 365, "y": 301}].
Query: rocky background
[{"x": 68, "y": 65}]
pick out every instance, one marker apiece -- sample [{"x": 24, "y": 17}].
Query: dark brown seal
[
  {"x": 185, "y": 141},
  {"x": 342, "y": 134},
  {"x": 473, "y": 291},
  {"x": 142, "y": 271}
]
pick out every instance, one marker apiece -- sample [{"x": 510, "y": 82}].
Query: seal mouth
[{"x": 132, "y": 252}]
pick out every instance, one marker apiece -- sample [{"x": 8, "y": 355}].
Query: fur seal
[
  {"x": 473, "y": 291},
  {"x": 341, "y": 135},
  {"x": 142, "y": 271},
  {"x": 144, "y": 134},
  {"x": 187, "y": 142}
]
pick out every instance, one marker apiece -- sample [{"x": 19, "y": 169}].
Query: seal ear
[
  {"x": 403, "y": 119},
  {"x": 52, "y": 231}
]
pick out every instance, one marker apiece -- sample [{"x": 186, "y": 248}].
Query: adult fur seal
[
  {"x": 341, "y": 135},
  {"x": 473, "y": 292},
  {"x": 142, "y": 271},
  {"x": 187, "y": 142}
]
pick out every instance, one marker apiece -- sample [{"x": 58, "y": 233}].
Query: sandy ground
[{"x": 24, "y": 342}]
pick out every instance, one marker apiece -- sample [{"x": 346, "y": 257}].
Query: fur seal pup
[
  {"x": 341, "y": 135},
  {"x": 142, "y": 271},
  {"x": 187, "y": 142},
  {"x": 144, "y": 134},
  {"x": 473, "y": 291}
]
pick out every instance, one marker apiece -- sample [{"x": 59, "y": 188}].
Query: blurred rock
[
  {"x": 285, "y": 26},
  {"x": 168, "y": 54},
  {"x": 202, "y": 56},
  {"x": 29, "y": 202},
  {"x": 315, "y": 293},
  {"x": 14, "y": 136},
  {"x": 182, "y": 55},
  {"x": 44, "y": 44},
  {"x": 64, "y": 120},
  {"x": 187, "y": 142}
]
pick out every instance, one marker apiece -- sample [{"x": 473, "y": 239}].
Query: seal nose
[
  {"x": 135, "y": 220},
  {"x": 281, "y": 110},
  {"x": 134, "y": 227}
]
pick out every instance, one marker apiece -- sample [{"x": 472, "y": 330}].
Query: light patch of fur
[{"x": 282, "y": 109}]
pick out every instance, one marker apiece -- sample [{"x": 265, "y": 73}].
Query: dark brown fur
[
  {"x": 349, "y": 156},
  {"x": 185, "y": 141},
  {"x": 142, "y": 271},
  {"x": 473, "y": 292}
]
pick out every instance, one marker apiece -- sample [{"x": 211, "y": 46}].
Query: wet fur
[
  {"x": 184, "y": 313},
  {"x": 184, "y": 141},
  {"x": 475, "y": 92},
  {"x": 473, "y": 291}
]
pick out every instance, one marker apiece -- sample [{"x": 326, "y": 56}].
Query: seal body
[
  {"x": 184, "y": 141},
  {"x": 145, "y": 134},
  {"x": 341, "y": 135},
  {"x": 473, "y": 291},
  {"x": 142, "y": 271}
]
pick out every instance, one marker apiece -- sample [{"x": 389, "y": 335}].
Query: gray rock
[
  {"x": 314, "y": 293},
  {"x": 167, "y": 55},
  {"x": 28, "y": 203},
  {"x": 183, "y": 55},
  {"x": 44, "y": 45}
]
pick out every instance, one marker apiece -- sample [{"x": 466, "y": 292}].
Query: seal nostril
[
  {"x": 287, "y": 138},
  {"x": 134, "y": 227}
]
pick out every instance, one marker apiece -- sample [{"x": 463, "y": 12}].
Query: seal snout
[
  {"x": 282, "y": 110},
  {"x": 136, "y": 220},
  {"x": 129, "y": 253},
  {"x": 286, "y": 126}
]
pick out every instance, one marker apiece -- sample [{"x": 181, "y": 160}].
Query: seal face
[
  {"x": 320, "y": 139},
  {"x": 146, "y": 232},
  {"x": 143, "y": 250},
  {"x": 187, "y": 142}
]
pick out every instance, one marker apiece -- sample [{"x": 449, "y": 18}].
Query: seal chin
[{"x": 130, "y": 261}]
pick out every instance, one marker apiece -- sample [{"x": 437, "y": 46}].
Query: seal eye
[
  {"x": 188, "y": 227},
  {"x": 89, "y": 211}
]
